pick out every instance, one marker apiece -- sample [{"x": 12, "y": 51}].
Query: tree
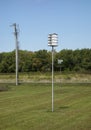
[{"x": 73, "y": 60}]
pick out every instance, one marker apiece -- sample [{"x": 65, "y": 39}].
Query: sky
[{"x": 70, "y": 19}]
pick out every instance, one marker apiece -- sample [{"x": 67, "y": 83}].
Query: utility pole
[{"x": 17, "y": 48}]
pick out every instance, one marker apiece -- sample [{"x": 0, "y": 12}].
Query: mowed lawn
[{"x": 28, "y": 107}]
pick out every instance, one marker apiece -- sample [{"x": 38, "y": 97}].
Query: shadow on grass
[
  {"x": 64, "y": 107},
  {"x": 59, "y": 109}
]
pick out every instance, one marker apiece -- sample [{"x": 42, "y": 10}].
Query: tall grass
[{"x": 40, "y": 77}]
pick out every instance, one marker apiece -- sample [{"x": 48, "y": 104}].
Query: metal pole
[
  {"x": 60, "y": 68},
  {"x": 52, "y": 41},
  {"x": 52, "y": 80}
]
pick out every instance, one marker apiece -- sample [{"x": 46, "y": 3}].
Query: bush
[{"x": 4, "y": 88}]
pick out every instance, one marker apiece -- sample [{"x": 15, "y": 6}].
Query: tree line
[{"x": 73, "y": 60}]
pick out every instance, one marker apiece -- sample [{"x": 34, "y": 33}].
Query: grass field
[{"x": 28, "y": 107}]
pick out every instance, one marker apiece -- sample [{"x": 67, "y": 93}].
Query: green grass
[{"x": 28, "y": 107}]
